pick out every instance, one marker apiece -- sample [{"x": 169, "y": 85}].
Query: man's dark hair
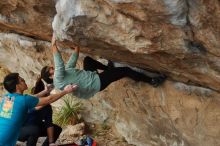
[
  {"x": 45, "y": 75},
  {"x": 10, "y": 82}
]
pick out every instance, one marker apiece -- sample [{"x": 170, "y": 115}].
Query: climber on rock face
[{"x": 89, "y": 81}]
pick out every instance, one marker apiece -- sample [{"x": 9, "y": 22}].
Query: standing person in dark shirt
[{"x": 39, "y": 122}]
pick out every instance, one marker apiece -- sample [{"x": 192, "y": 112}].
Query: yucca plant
[{"x": 69, "y": 112}]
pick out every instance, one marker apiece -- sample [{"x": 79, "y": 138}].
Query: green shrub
[{"x": 69, "y": 112}]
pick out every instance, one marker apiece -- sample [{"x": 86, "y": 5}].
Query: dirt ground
[{"x": 102, "y": 134}]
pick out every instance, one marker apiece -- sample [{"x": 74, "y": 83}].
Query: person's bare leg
[{"x": 50, "y": 134}]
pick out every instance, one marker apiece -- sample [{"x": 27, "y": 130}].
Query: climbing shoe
[{"x": 110, "y": 64}]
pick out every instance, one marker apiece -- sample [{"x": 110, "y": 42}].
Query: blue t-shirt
[{"x": 13, "y": 111}]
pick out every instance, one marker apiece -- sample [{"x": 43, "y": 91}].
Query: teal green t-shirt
[
  {"x": 13, "y": 111},
  {"x": 88, "y": 82}
]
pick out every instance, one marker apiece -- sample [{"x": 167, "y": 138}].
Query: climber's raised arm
[
  {"x": 76, "y": 49},
  {"x": 73, "y": 58},
  {"x": 53, "y": 45},
  {"x": 58, "y": 61}
]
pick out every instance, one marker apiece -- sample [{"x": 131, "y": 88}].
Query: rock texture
[
  {"x": 3, "y": 72},
  {"x": 29, "y": 17},
  {"x": 177, "y": 37},
  {"x": 174, "y": 114},
  {"x": 24, "y": 55},
  {"x": 72, "y": 133}
]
